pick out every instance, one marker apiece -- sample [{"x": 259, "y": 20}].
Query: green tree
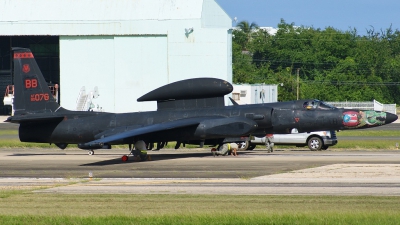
[
  {"x": 334, "y": 65},
  {"x": 243, "y": 33}
]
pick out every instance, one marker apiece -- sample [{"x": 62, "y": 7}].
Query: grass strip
[
  {"x": 366, "y": 144},
  {"x": 37, "y": 208},
  {"x": 9, "y": 132},
  {"x": 369, "y": 133},
  {"x": 217, "y": 218}
]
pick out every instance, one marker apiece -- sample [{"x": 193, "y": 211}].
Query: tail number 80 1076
[{"x": 39, "y": 97}]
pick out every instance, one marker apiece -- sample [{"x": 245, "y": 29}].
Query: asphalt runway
[
  {"x": 197, "y": 172},
  {"x": 167, "y": 163}
]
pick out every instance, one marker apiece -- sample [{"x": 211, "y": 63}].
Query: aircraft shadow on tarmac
[{"x": 158, "y": 157}]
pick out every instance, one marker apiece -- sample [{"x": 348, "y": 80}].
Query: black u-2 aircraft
[{"x": 189, "y": 111}]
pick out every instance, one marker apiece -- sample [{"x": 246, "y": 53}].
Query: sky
[{"x": 339, "y": 14}]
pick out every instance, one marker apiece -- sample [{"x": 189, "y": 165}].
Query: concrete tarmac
[{"x": 195, "y": 171}]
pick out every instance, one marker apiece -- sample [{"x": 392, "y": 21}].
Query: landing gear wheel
[
  {"x": 90, "y": 152},
  {"x": 124, "y": 158},
  {"x": 315, "y": 144}
]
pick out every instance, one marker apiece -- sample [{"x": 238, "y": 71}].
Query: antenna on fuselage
[{"x": 233, "y": 101}]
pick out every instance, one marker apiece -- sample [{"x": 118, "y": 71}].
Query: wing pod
[
  {"x": 90, "y": 146},
  {"x": 190, "y": 94},
  {"x": 189, "y": 89}
]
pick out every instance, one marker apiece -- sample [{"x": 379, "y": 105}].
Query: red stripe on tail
[{"x": 23, "y": 55}]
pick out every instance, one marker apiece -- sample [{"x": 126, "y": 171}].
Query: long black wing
[{"x": 144, "y": 130}]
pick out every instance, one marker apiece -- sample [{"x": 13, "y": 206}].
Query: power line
[
  {"x": 329, "y": 64},
  {"x": 352, "y": 83}
]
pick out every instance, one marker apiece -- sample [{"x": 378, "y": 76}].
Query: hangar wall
[
  {"x": 121, "y": 67},
  {"x": 136, "y": 73},
  {"x": 128, "y": 47},
  {"x": 138, "y": 64}
]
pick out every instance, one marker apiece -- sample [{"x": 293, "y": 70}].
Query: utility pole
[
  {"x": 298, "y": 70},
  {"x": 11, "y": 62}
]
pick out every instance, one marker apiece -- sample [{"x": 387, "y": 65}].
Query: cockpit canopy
[{"x": 317, "y": 104}]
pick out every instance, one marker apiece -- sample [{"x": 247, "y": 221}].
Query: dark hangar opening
[{"x": 47, "y": 54}]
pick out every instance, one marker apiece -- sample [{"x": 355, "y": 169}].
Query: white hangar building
[{"x": 124, "y": 47}]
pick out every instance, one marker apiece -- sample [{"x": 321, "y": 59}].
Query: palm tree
[
  {"x": 246, "y": 27},
  {"x": 243, "y": 33}
]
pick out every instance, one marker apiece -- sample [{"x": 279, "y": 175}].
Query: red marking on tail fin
[
  {"x": 23, "y": 55},
  {"x": 39, "y": 97},
  {"x": 26, "y": 68}
]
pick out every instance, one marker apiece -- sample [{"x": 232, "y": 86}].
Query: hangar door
[{"x": 122, "y": 67}]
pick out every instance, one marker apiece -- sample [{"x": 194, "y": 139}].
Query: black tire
[
  {"x": 325, "y": 147},
  {"x": 315, "y": 144},
  {"x": 251, "y": 147}
]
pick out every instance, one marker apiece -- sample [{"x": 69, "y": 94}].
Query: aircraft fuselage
[{"x": 219, "y": 123}]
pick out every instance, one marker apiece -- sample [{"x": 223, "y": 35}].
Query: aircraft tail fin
[{"x": 31, "y": 91}]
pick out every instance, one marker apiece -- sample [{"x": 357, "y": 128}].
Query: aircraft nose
[{"x": 390, "y": 118}]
